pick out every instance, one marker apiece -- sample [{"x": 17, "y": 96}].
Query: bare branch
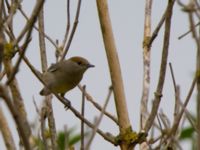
[
  {"x": 43, "y": 116},
  {"x": 146, "y": 64},
  {"x": 114, "y": 66},
  {"x": 16, "y": 116},
  {"x": 51, "y": 122},
  {"x": 73, "y": 30},
  {"x": 6, "y": 133},
  {"x": 68, "y": 25},
  {"x": 99, "y": 119},
  {"x": 97, "y": 106},
  {"x": 83, "y": 114},
  {"x": 158, "y": 93},
  {"x": 177, "y": 120},
  {"x": 36, "y": 28},
  {"x": 31, "y": 21}
]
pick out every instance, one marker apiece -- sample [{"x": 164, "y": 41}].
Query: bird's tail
[{"x": 45, "y": 92}]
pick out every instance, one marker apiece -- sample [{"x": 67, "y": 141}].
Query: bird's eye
[{"x": 79, "y": 63}]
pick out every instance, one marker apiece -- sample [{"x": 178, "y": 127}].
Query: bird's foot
[{"x": 67, "y": 104}]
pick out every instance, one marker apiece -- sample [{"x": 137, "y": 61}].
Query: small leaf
[{"x": 187, "y": 133}]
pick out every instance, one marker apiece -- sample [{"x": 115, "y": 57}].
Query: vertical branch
[
  {"x": 6, "y": 133},
  {"x": 73, "y": 30},
  {"x": 48, "y": 99},
  {"x": 190, "y": 7},
  {"x": 68, "y": 24},
  {"x": 42, "y": 40},
  {"x": 198, "y": 94},
  {"x": 51, "y": 121},
  {"x": 43, "y": 115},
  {"x": 146, "y": 64},
  {"x": 197, "y": 41},
  {"x": 163, "y": 67},
  {"x": 83, "y": 114},
  {"x": 114, "y": 66}
]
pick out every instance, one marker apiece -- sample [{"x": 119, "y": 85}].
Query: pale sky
[{"x": 127, "y": 20}]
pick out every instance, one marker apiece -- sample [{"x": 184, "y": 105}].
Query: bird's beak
[{"x": 90, "y": 66}]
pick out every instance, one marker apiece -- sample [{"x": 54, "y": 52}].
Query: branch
[
  {"x": 83, "y": 114},
  {"x": 179, "y": 116},
  {"x": 146, "y": 65},
  {"x": 158, "y": 93},
  {"x": 43, "y": 115},
  {"x": 97, "y": 106},
  {"x": 73, "y": 30},
  {"x": 6, "y": 133},
  {"x": 16, "y": 116},
  {"x": 48, "y": 99},
  {"x": 114, "y": 66},
  {"x": 68, "y": 25},
  {"x": 36, "y": 28},
  {"x": 99, "y": 119},
  {"x": 31, "y": 21}
]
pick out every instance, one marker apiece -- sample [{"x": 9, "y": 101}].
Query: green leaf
[
  {"x": 61, "y": 141},
  {"x": 75, "y": 139},
  {"x": 187, "y": 133}
]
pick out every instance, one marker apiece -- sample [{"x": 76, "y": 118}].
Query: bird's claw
[{"x": 67, "y": 104}]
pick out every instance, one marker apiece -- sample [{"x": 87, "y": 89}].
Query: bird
[{"x": 64, "y": 75}]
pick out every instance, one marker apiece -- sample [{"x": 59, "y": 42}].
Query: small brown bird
[{"x": 64, "y": 75}]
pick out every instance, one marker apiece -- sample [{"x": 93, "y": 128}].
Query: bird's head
[{"x": 81, "y": 63}]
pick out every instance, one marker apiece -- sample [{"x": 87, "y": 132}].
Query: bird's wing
[{"x": 53, "y": 67}]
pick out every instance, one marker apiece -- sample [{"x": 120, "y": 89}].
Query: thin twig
[
  {"x": 29, "y": 28},
  {"x": 177, "y": 121},
  {"x": 12, "y": 10},
  {"x": 68, "y": 25},
  {"x": 157, "y": 29},
  {"x": 97, "y": 106},
  {"x": 73, "y": 30},
  {"x": 36, "y": 28},
  {"x": 31, "y": 21},
  {"x": 189, "y": 116},
  {"x": 176, "y": 91},
  {"x": 158, "y": 93},
  {"x": 186, "y": 33},
  {"x": 99, "y": 119},
  {"x": 83, "y": 114}
]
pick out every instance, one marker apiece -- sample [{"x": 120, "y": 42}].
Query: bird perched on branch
[{"x": 64, "y": 75}]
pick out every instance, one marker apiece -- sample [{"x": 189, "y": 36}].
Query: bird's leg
[{"x": 68, "y": 103}]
